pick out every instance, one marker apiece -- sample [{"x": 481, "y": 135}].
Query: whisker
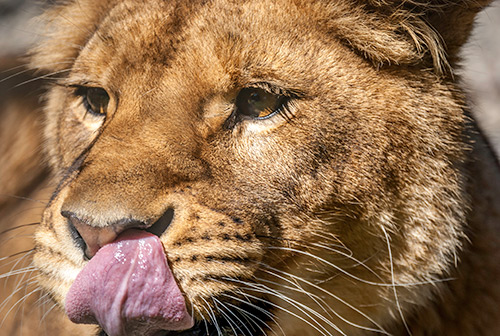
[
  {"x": 49, "y": 75},
  {"x": 213, "y": 317},
  {"x": 315, "y": 257},
  {"x": 202, "y": 317},
  {"x": 16, "y": 272},
  {"x": 306, "y": 310},
  {"x": 244, "y": 313},
  {"x": 249, "y": 303},
  {"x": 288, "y": 311},
  {"x": 205, "y": 319},
  {"x": 20, "y": 281},
  {"x": 5, "y": 71},
  {"x": 301, "y": 307},
  {"x": 16, "y": 254},
  {"x": 18, "y": 302},
  {"x": 81, "y": 29},
  {"x": 332, "y": 248},
  {"x": 341, "y": 270},
  {"x": 26, "y": 69},
  {"x": 17, "y": 289},
  {"x": 19, "y": 73},
  {"x": 18, "y": 227},
  {"x": 350, "y": 257},
  {"x": 241, "y": 323},
  {"x": 392, "y": 279},
  {"x": 379, "y": 330},
  {"x": 299, "y": 289},
  {"x": 230, "y": 321},
  {"x": 47, "y": 313},
  {"x": 24, "y": 198},
  {"x": 7, "y": 239},
  {"x": 18, "y": 261},
  {"x": 45, "y": 297}
]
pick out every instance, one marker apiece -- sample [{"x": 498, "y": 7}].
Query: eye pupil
[
  {"x": 95, "y": 100},
  {"x": 98, "y": 100},
  {"x": 254, "y": 97}
]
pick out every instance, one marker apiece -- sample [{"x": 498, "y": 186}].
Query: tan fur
[{"x": 373, "y": 210}]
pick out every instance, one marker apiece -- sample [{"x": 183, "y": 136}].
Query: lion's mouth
[
  {"x": 128, "y": 289},
  {"x": 241, "y": 326}
]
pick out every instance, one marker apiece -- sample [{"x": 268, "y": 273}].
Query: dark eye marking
[{"x": 94, "y": 99}]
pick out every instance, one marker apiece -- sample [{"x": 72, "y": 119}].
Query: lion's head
[{"x": 251, "y": 167}]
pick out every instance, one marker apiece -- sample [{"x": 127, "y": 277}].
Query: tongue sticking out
[{"x": 128, "y": 289}]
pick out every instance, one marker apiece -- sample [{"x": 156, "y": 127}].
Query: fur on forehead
[{"x": 401, "y": 32}]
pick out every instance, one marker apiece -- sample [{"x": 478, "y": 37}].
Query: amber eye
[
  {"x": 94, "y": 99},
  {"x": 256, "y": 103}
]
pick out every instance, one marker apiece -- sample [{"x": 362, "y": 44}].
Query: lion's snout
[{"x": 90, "y": 235}]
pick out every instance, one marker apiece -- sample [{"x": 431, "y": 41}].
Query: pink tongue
[{"x": 128, "y": 289}]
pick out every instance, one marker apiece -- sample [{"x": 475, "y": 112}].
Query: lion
[{"x": 263, "y": 167}]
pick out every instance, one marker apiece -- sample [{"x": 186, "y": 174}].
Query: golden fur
[{"x": 371, "y": 208}]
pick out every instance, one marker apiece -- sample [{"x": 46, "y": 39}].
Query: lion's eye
[
  {"x": 95, "y": 99},
  {"x": 256, "y": 103}
]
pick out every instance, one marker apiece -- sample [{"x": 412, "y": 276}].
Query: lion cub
[{"x": 265, "y": 167}]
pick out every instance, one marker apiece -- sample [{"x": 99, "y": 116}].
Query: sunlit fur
[{"x": 349, "y": 216}]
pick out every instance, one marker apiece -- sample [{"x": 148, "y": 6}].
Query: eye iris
[
  {"x": 257, "y": 103},
  {"x": 97, "y": 100}
]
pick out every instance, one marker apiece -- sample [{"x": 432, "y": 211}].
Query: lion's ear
[{"x": 408, "y": 31}]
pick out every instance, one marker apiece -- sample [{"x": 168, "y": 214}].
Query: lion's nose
[{"x": 90, "y": 238}]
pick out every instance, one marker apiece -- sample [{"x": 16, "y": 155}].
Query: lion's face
[{"x": 286, "y": 177}]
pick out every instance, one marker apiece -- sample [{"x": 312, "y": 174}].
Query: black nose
[{"x": 90, "y": 237}]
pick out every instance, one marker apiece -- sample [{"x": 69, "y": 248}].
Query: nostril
[
  {"x": 75, "y": 235},
  {"x": 78, "y": 240},
  {"x": 162, "y": 223}
]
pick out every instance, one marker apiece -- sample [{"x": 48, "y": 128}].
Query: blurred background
[{"x": 481, "y": 72}]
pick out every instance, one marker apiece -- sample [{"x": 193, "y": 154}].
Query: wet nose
[{"x": 91, "y": 238}]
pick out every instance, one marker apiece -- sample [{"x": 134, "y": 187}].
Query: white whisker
[
  {"x": 17, "y": 272},
  {"x": 301, "y": 307},
  {"x": 19, "y": 73},
  {"x": 213, "y": 317},
  {"x": 47, "y": 313},
  {"x": 349, "y": 256},
  {"x": 288, "y": 312},
  {"x": 392, "y": 279},
  {"x": 16, "y": 290},
  {"x": 230, "y": 321},
  {"x": 42, "y": 77},
  {"x": 418, "y": 283},
  {"x": 245, "y": 313},
  {"x": 14, "y": 255},
  {"x": 299, "y": 289},
  {"x": 18, "y": 302},
  {"x": 379, "y": 330}
]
